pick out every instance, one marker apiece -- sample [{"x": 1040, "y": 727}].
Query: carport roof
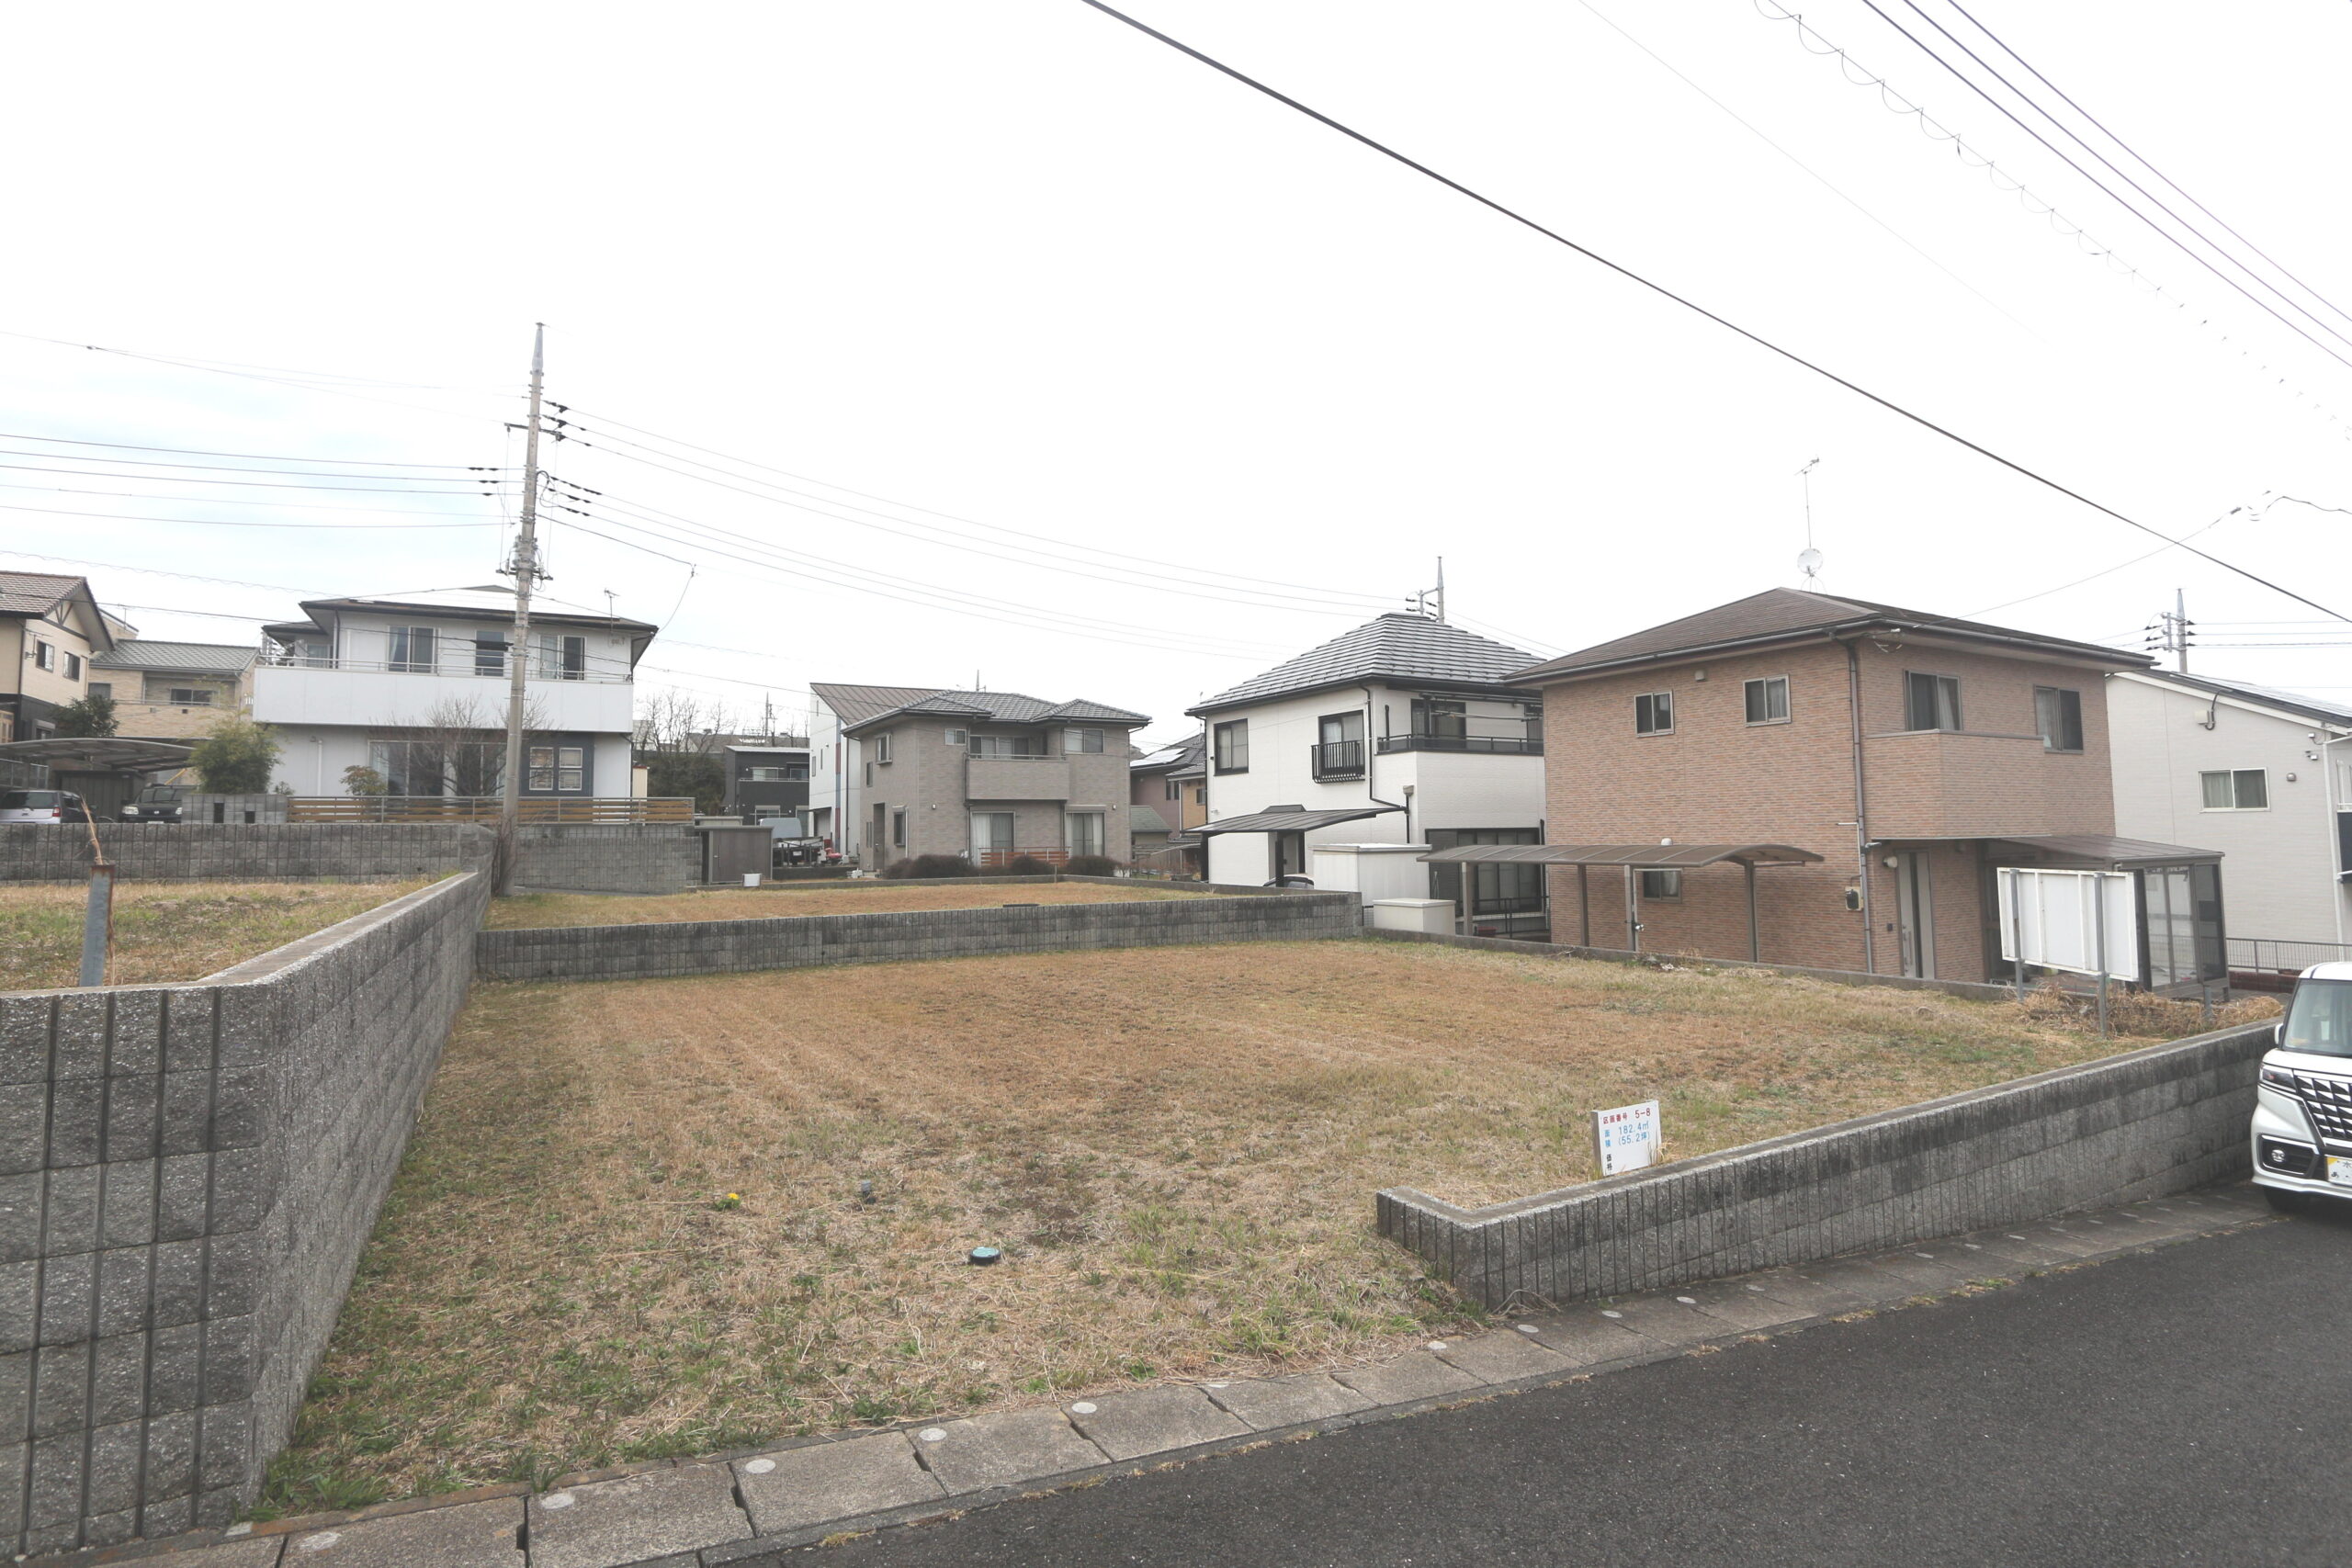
[
  {"x": 1293, "y": 821},
  {"x": 95, "y": 754},
  {"x": 2112, "y": 854},
  {"x": 1650, "y": 856}
]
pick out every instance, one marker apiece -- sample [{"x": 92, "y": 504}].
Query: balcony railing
[
  {"x": 485, "y": 808},
  {"x": 458, "y": 665},
  {"x": 1512, "y": 744},
  {"x": 1336, "y": 759},
  {"x": 2272, "y": 955}
]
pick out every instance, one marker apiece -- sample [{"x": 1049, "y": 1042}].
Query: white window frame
[
  {"x": 959, "y": 737},
  {"x": 1747, "y": 700},
  {"x": 882, "y": 746},
  {"x": 400, "y": 644}
]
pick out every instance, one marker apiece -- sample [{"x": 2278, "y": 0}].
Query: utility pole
[
  {"x": 526, "y": 572},
  {"x": 1441, "y": 588},
  {"x": 2169, "y": 633}
]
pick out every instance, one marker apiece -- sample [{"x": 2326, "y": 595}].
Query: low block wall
[
  {"x": 270, "y": 851},
  {"x": 2156, "y": 1120},
  {"x": 1974, "y": 990},
  {"x": 795, "y": 941},
  {"x": 187, "y": 1174},
  {"x": 608, "y": 857}
]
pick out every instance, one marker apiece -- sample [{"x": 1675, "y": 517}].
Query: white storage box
[{"x": 1432, "y": 915}]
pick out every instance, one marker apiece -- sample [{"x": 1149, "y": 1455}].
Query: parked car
[
  {"x": 2302, "y": 1112},
  {"x": 156, "y": 803},
  {"x": 41, "y": 806}
]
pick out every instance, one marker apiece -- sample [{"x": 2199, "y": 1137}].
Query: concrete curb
[{"x": 730, "y": 1508}]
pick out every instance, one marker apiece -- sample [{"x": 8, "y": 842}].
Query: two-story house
[
  {"x": 1816, "y": 780},
  {"x": 767, "y": 775},
  {"x": 415, "y": 690},
  {"x": 2263, "y": 776},
  {"x": 50, "y": 628},
  {"x": 1169, "y": 794},
  {"x": 1406, "y": 730},
  {"x": 905, "y": 771},
  {"x": 172, "y": 691}
]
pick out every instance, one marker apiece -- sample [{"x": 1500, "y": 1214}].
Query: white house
[
  {"x": 416, "y": 689},
  {"x": 2264, "y": 776},
  {"x": 1402, "y": 731}
]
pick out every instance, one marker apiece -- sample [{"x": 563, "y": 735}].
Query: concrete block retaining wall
[
  {"x": 280, "y": 852},
  {"x": 793, "y": 942},
  {"x": 187, "y": 1174},
  {"x": 2155, "y": 1121},
  {"x": 608, "y": 857}
]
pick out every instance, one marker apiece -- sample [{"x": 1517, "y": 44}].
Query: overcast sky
[{"x": 1186, "y": 382}]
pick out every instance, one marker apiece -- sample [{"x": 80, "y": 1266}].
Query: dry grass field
[
  {"x": 629, "y": 1224},
  {"x": 168, "y": 931},
  {"x": 538, "y": 910}
]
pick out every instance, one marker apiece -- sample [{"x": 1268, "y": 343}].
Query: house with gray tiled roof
[
  {"x": 172, "y": 691},
  {"x": 1404, "y": 731},
  {"x": 50, "y": 630},
  {"x": 899, "y": 772}
]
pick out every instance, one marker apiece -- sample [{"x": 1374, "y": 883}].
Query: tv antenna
[{"x": 1809, "y": 558}]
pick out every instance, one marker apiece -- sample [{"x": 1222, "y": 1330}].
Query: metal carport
[{"x": 1664, "y": 855}]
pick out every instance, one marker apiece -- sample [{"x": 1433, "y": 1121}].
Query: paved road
[{"x": 2189, "y": 1406}]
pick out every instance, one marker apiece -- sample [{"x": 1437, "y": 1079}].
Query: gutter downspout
[
  {"x": 2335, "y": 833},
  {"x": 1862, "y": 805}
]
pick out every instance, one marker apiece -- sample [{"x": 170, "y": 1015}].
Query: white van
[
  {"x": 40, "y": 806},
  {"x": 2302, "y": 1110}
]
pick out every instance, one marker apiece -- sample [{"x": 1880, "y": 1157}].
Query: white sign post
[{"x": 1626, "y": 1138}]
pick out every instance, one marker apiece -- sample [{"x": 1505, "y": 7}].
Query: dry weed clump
[
  {"x": 169, "y": 931},
  {"x": 2139, "y": 1014},
  {"x": 1176, "y": 1148},
  {"x": 540, "y": 910}
]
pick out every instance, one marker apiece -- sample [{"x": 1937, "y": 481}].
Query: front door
[
  {"x": 1290, "y": 855},
  {"x": 1916, "y": 914}
]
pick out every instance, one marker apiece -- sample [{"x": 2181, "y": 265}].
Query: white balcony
[{"x": 373, "y": 696}]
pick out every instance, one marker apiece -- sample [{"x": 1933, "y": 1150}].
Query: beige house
[
  {"x": 172, "y": 691},
  {"x": 50, "y": 630},
  {"x": 1809, "y": 779}
]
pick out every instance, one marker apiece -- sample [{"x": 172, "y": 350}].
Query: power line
[
  {"x": 238, "y": 468},
  {"x": 243, "y": 501},
  {"x": 202, "y": 452},
  {"x": 250, "y": 484},
  {"x": 2142, "y": 159},
  {"x": 1660, "y": 289},
  {"x": 228, "y": 522}
]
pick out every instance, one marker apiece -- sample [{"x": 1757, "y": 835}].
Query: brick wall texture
[
  {"x": 616, "y": 857},
  {"x": 1717, "y": 779},
  {"x": 2155, "y": 1121},
  {"x": 287, "y": 851},
  {"x": 186, "y": 1176},
  {"x": 713, "y": 947}
]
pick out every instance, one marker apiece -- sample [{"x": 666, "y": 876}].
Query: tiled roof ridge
[{"x": 1394, "y": 645}]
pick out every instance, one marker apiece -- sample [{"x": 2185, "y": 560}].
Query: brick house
[
  {"x": 1822, "y": 780},
  {"x": 173, "y": 691},
  {"x": 907, "y": 770}
]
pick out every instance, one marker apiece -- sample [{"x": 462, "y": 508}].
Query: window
[
  {"x": 2242, "y": 789},
  {"x": 1007, "y": 746},
  {"x": 191, "y": 697},
  {"x": 763, "y": 776},
  {"x": 562, "y": 768},
  {"x": 957, "y": 737},
  {"x": 1084, "y": 831},
  {"x": 1082, "y": 742},
  {"x": 1534, "y": 714},
  {"x": 559, "y": 658},
  {"x": 1930, "y": 702},
  {"x": 899, "y": 828},
  {"x": 1175, "y": 791},
  {"x": 1768, "y": 699},
  {"x": 1231, "y": 740},
  {"x": 412, "y": 648},
  {"x": 2058, "y": 713},
  {"x": 1661, "y": 884},
  {"x": 44, "y": 655},
  {"x": 1338, "y": 749},
  {"x": 991, "y": 834},
  {"x": 102, "y": 689},
  {"x": 1448, "y": 717},
  {"x": 1654, "y": 713},
  {"x": 490, "y": 653},
  {"x": 882, "y": 746},
  {"x": 73, "y": 666},
  {"x": 869, "y": 775}
]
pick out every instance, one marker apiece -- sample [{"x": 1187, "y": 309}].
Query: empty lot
[
  {"x": 533, "y": 910},
  {"x": 168, "y": 931},
  {"x": 630, "y": 1226}
]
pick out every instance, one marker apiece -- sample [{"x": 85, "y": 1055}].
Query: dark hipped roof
[
  {"x": 1781, "y": 614},
  {"x": 1396, "y": 646},
  {"x": 859, "y": 707},
  {"x": 186, "y": 658},
  {"x": 2295, "y": 703},
  {"x": 1182, "y": 760}
]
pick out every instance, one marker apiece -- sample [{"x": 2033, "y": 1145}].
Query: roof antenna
[{"x": 1809, "y": 558}]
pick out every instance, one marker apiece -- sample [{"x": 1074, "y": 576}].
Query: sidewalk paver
[
  {"x": 980, "y": 1452},
  {"x": 1743, "y": 1307},
  {"x": 1413, "y": 1376},
  {"x": 1868, "y": 1283},
  {"x": 1294, "y": 1401},
  {"x": 1154, "y": 1421},
  {"x": 1669, "y": 1320},
  {"x": 1586, "y": 1338},
  {"x": 1507, "y": 1356},
  {"x": 248, "y": 1552},
  {"x": 1812, "y": 1295},
  {"x": 472, "y": 1535},
  {"x": 1935, "y": 1269},
  {"x": 2001, "y": 1251},
  {"x": 2073, "y": 1241},
  {"x": 794, "y": 1488},
  {"x": 607, "y": 1523}
]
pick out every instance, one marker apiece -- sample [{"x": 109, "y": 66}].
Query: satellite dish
[{"x": 1809, "y": 563}]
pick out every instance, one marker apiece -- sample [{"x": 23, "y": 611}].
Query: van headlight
[{"x": 2279, "y": 1078}]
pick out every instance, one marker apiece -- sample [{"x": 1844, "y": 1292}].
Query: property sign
[{"x": 1626, "y": 1138}]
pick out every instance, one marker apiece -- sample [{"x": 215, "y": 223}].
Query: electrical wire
[
  {"x": 1631, "y": 276},
  {"x": 227, "y": 522},
  {"x": 238, "y": 468},
  {"x": 243, "y": 501},
  {"x": 250, "y": 484},
  {"x": 266, "y": 456}
]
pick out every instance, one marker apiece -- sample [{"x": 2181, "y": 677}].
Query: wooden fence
[{"x": 484, "y": 809}]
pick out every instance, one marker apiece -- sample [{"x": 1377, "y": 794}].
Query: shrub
[
  {"x": 1027, "y": 865},
  {"x": 94, "y": 715},
  {"x": 924, "y": 867},
  {"x": 235, "y": 756},
  {"x": 670, "y": 774},
  {"x": 359, "y": 779},
  {"x": 1091, "y": 865}
]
